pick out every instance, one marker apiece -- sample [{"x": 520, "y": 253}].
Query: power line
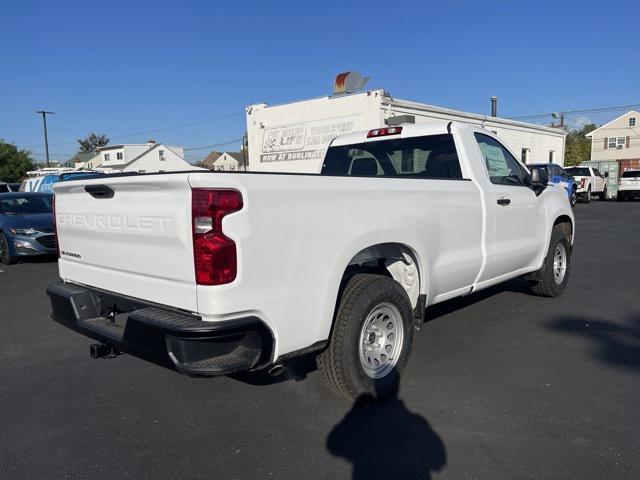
[
  {"x": 146, "y": 132},
  {"x": 235, "y": 140},
  {"x": 568, "y": 112},
  {"x": 222, "y": 117}
]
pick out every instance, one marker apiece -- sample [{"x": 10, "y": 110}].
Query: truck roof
[{"x": 408, "y": 130}]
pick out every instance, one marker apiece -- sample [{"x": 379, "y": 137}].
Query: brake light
[
  {"x": 55, "y": 225},
  {"x": 214, "y": 254},
  {"x": 582, "y": 182},
  {"x": 382, "y": 132}
]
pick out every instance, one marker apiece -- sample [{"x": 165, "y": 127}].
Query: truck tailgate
[{"x": 129, "y": 234}]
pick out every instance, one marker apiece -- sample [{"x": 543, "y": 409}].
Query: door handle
[
  {"x": 504, "y": 201},
  {"x": 99, "y": 191}
]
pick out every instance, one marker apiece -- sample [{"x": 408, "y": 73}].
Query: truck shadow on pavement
[
  {"x": 382, "y": 439},
  {"x": 517, "y": 285},
  {"x": 615, "y": 343}
]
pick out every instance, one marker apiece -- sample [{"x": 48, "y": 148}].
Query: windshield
[
  {"x": 578, "y": 172},
  {"x": 26, "y": 205},
  {"x": 631, "y": 174}
]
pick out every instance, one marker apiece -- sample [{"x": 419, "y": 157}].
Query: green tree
[
  {"x": 578, "y": 147},
  {"x": 14, "y": 163},
  {"x": 92, "y": 142}
]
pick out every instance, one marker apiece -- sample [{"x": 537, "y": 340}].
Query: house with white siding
[
  {"x": 225, "y": 161},
  {"x": 617, "y": 140},
  {"x": 143, "y": 158}
]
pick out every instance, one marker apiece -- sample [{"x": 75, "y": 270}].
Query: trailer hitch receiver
[{"x": 103, "y": 350}]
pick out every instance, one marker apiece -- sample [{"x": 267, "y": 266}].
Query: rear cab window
[
  {"x": 579, "y": 172},
  {"x": 631, "y": 174},
  {"x": 429, "y": 157}
]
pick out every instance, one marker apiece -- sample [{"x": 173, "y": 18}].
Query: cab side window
[{"x": 502, "y": 167}]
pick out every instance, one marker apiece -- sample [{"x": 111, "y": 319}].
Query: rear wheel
[
  {"x": 6, "y": 256},
  {"x": 371, "y": 338},
  {"x": 556, "y": 267},
  {"x": 620, "y": 197},
  {"x": 587, "y": 196}
]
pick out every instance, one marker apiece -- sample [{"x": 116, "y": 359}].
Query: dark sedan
[{"x": 26, "y": 225}]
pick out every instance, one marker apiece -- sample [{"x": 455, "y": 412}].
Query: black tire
[
  {"x": 603, "y": 195},
  {"x": 574, "y": 198},
  {"x": 549, "y": 285},
  {"x": 587, "y": 195},
  {"x": 340, "y": 364},
  {"x": 5, "y": 254},
  {"x": 620, "y": 197}
]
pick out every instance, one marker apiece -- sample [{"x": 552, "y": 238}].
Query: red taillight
[
  {"x": 382, "y": 132},
  {"x": 214, "y": 254},
  {"x": 582, "y": 180},
  {"x": 55, "y": 225}
]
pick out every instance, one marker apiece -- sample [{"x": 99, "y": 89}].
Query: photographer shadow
[{"x": 384, "y": 440}]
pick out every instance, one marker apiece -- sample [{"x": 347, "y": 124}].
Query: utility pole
[
  {"x": 245, "y": 141},
  {"x": 561, "y": 119},
  {"x": 46, "y": 140}
]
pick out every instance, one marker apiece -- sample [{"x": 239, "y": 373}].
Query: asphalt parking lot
[{"x": 501, "y": 385}]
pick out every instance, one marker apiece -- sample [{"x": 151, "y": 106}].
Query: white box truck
[{"x": 294, "y": 137}]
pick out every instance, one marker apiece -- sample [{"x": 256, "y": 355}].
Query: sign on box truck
[{"x": 294, "y": 137}]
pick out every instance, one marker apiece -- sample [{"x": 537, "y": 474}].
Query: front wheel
[
  {"x": 574, "y": 198},
  {"x": 6, "y": 256},
  {"x": 603, "y": 195},
  {"x": 371, "y": 338},
  {"x": 556, "y": 267}
]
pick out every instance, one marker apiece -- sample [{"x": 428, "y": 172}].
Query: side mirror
[
  {"x": 606, "y": 174},
  {"x": 539, "y": 176},
  {"x": 539, "y": 179}
]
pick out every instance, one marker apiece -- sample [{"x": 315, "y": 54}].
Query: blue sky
[{"x": 122, "y": 68}]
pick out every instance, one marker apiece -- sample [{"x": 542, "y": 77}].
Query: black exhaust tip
[{"x": 276, "y": 370}]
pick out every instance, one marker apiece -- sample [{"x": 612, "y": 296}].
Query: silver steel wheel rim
[
  {"x": 559, "y": 263},
  {"x": 381, "y": 339}
]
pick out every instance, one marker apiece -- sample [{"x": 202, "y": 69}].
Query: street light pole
[{"x": 46, "y": 140}]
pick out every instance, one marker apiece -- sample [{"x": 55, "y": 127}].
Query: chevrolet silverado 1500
[{"x": 211, "y": 273}]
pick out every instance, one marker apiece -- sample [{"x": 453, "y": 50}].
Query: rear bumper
[{"x": 170, "y": 338}]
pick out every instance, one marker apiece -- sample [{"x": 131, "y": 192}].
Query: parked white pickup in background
[{"x": 590, "y": 182}]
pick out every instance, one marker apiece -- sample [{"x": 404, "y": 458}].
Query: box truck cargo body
[{"x": 294, "y": 137}]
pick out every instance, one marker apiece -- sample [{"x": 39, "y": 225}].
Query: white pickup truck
[
  {"x": 212, "y": 273},
  {"x": 590, "y": 182}
]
